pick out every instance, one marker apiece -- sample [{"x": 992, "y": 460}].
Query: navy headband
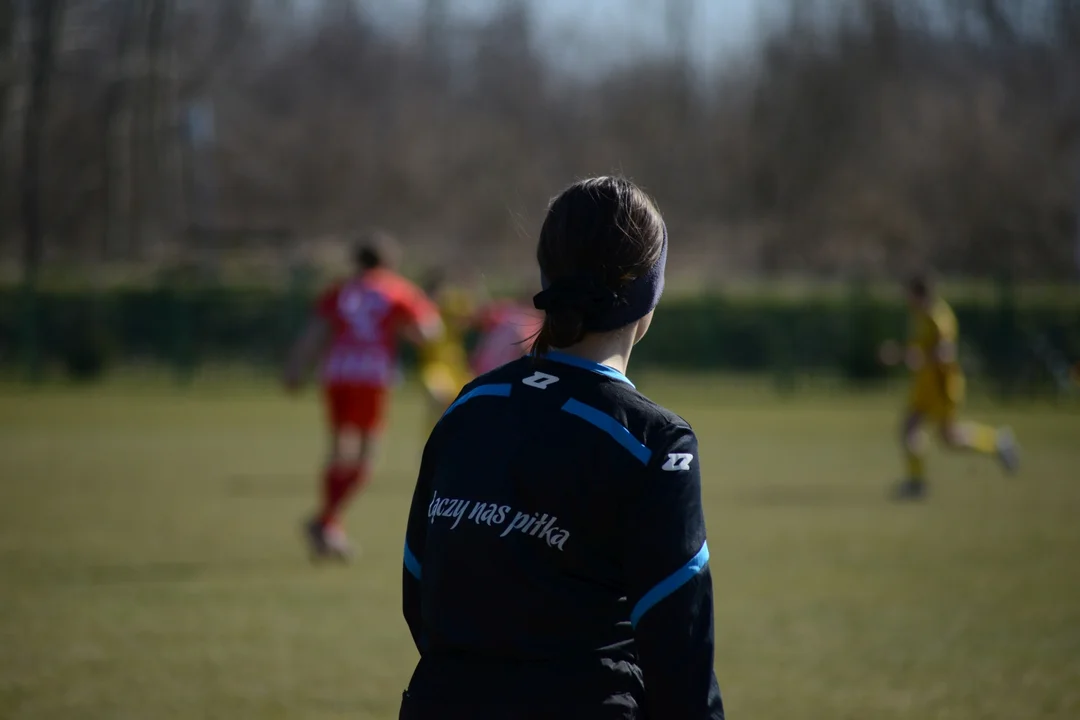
[{"x": 602, "y": 309}]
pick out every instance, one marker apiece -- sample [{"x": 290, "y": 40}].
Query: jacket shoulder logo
[
  {"x": 678, "y": 462},
  {"x": 540, "y": 381}
]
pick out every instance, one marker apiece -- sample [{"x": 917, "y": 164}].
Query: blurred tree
[
  {"x": 7, "y": 81},
  {"x": 116, "y": 184},
  {"x": 863, "y": 138},
  {"x": 680, "y": 27},
  {"x": 45, "y": 23}
]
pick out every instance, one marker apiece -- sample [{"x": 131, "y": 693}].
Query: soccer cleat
[
  {"x": 1008, "y": 450},
  {"x": 316, "y": 539},
  {"x": 909, "y": 489},
  {"x": 326, "y": 542},
  {"x": 337, "y": 544}
]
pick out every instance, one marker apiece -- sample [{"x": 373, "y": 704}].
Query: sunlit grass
[{"x": 151, "y": 565}]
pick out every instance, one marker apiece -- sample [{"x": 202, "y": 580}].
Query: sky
[{"x": 612, "y": 30}]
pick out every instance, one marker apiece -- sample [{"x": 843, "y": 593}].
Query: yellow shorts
[
  {"x": 935, "y": 397},
  {"x": 443, "y": 380}
]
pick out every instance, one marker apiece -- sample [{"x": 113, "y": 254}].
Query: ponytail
[
  {"x": 561, "y": 329},
  {"x": 602, "y": 254}
]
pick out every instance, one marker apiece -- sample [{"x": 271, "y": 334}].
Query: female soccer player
[
  {"x": 937, "y": 390},
  {"x": 555, "y": 556},
  {"x": 506, "y": 328},
  {"x": 355, "y": 328},
  {"x": 444, "y": 364}
]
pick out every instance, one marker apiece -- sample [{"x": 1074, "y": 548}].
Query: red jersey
[
  {"x": 507, "y": 329},
  {"x": 366, "y": 315}
]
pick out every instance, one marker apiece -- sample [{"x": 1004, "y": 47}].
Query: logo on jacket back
[
  {"x": 540, "y": 381},
  {"x": 538, "y": 525},
  {"x": 678, "y": 462}
]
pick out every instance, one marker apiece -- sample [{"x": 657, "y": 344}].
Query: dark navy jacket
[{"x": 555, "y": 558}]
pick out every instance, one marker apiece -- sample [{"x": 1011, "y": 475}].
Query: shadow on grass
[
  {"x": 269, "y": 485},
  {"x": 154, "y": 572},
  {"x": 289, "y": 486},
  {"x": 806, "y": 496},
  {"x": 145, "y": 572}
]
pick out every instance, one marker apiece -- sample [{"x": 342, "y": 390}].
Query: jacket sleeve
[
  {"x": 415, "y": 540},
  {"x": 670, "y": 586}
]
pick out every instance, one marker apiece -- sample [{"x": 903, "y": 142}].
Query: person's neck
[{"x": 610, "y": 348}]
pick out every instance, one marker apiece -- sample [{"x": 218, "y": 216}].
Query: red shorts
[{"x": 356, "y": 407}]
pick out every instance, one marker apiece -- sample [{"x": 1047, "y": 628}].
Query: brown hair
[
  {"x": 604, "y": 229},
  {"x": 376, "y": 249},
  {"x": 920, "y": 285}
]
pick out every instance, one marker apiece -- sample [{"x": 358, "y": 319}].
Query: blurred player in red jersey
[
  {"x": 507, "y": 328},
  {"x": 355, "y": 331}
]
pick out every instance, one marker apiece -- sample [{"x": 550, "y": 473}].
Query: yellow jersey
[
  {"x": 444, "y": 364},
  {"x": 455, "y": 308},
  {"x": 937, "y": 383},
  {"x": 930, "y": 331}
]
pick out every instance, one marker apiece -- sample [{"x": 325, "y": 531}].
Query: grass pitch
[{"x": 151, "y": 564}]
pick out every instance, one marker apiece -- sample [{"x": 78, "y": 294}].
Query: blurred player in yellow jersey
[
  {"x": 444, "y": 364},
  {"x": 937, "y": 390}
]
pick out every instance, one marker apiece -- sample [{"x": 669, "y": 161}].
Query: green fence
[{"x": 1017, "y": 342}]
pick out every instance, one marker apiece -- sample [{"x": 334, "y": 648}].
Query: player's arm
[
  {"x": 420, "y": 321},
  {"x": 312, "y": 341},
  {"x": 945, "y": 353},
  {"x": 306, "y": 350},
  {"x": 422, "y": 325},
  {"x": 415, "y": 543},
  {"x": 670, "y": 586},
  {"x": 890, "y": 353},
  {"x": 914, "y": 357},
  {"x": 945, "y": 343},
  {"x": 423, "y": 331}
]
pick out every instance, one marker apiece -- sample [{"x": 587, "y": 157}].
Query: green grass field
[{"x": 150, "y": 563}]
